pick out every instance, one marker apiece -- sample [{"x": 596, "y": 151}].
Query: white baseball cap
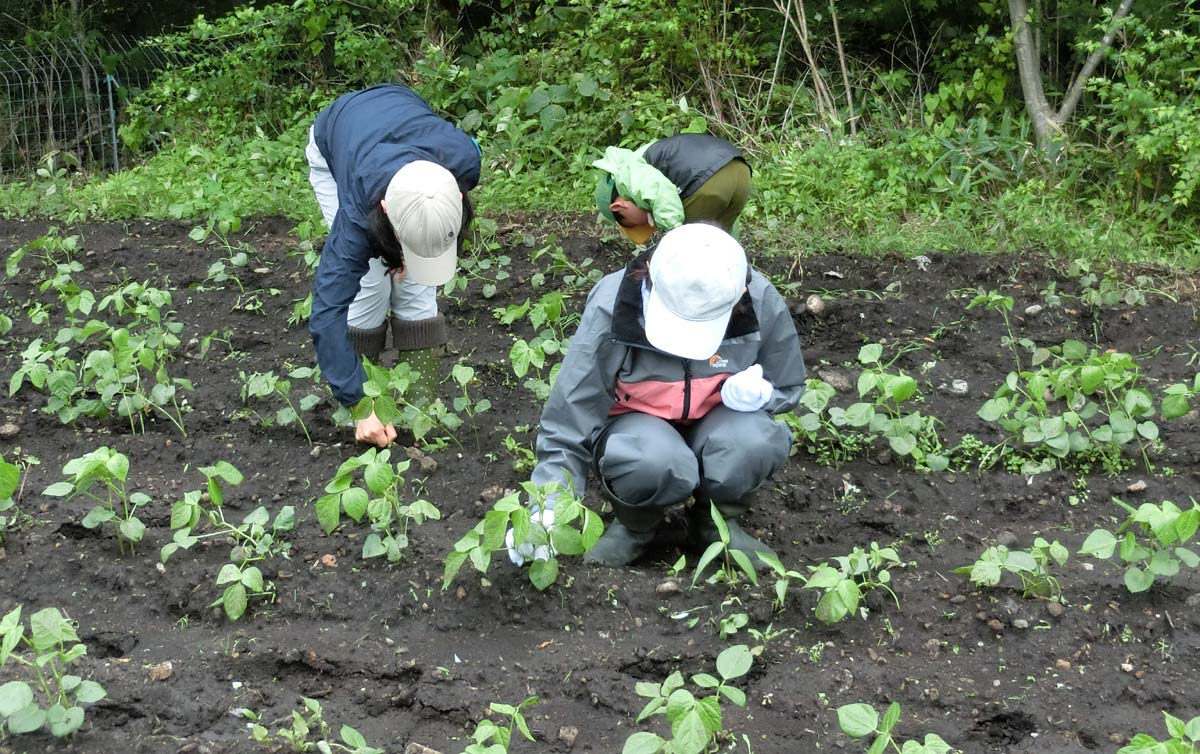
[
  {"x": 424, "y": 204},
  {"x": 697, "y": 276}
]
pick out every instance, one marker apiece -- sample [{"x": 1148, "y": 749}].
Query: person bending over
[{"x": 391, "y": 178}]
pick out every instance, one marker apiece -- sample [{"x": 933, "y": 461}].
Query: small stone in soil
[
  {"x": 1138, "y": 486},
  {"x": 162, "y": 671},
  {"x": 1062, "y": 664},
  {"x": 996, "y": 626},
  {"x": 1055, "y": 609},
  {"x": 9, "y": 430},
  {"x": 1007, "y": 539},
  {"x": 1020, "y": 623},
  {"x": 567, "y": 734}
]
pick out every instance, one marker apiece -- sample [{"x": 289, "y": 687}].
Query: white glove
[
  {"x": 519, "y": 554},
  {"x": 746, "y": 390}
]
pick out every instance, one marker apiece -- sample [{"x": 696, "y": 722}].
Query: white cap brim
[
  {"x": 431, "y": 270},
  {"x": 690, "y": 339}
]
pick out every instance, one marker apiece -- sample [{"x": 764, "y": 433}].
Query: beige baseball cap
[{"x": 424, "y": 204}]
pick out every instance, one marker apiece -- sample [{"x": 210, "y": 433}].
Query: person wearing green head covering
[{"x": 681, "y": 179}]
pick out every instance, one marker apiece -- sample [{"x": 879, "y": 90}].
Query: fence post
[{"x": 112, "y": 121}]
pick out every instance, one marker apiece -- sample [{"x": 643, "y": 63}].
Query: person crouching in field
[
  {"x": 681, "y": 179},
  {"x": 391, "y": 178},
  {"x": 669, "y": 391}
]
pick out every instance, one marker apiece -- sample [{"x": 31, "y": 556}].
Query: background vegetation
[{"x": 872, "y": 125}]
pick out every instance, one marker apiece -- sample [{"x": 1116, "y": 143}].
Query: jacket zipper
[{"x": 687, "y": 389}]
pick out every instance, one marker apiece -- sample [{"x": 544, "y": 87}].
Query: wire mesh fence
[{"x": 61, "y": 103}]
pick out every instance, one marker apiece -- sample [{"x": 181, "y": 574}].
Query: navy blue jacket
[{"x": 366, "y": 136}]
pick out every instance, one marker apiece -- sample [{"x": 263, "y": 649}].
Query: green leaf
[
  {"x": 14, "y": 696},
  {"x": 870, "y": 353},
  {"x": 10, "y": 476},
  {"x": 133, "y": 529},
  {"x": 59, "y": 489},
  {"x": 1099, "y": 544},
  {"x": 97, "y": 516},
  {"x": 890, "y": 718},
  {"x": 985, "y": 573},
  {"x": 857, "y": 720},
  {"x": 734, "y": 695},
  {"x": 27, "y": 720},
  {"x": 1137, "y": 580},
  {"x": 543, "y": 573},
  {"x": 64, "y": 721},
  {"x": 454, "y": 562},
  {"x": 643, "y": 743},
  {"x": 1174, "y": 406},
  {"x": 714, "y": 549},
  {"x": 690, "y": 735},
  {"x": 1074, "y": 350},
  {"x": 734, "y": 661},
  {"x": 48, "y": 628},
  {"x": 90, "y": 692},
  {"x": 352, "y": 738},
  {"x": 234, "y": 601},
  {"x": 709, "y": 709},
  {"x": 252, "y": 579},
  {"x": 329, "y": 512},
  {"x": 373, "y": 546},
  {"x": 354, "y": 502}
]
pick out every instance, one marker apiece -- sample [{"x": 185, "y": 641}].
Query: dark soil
[{"x": 386, "y": 651}]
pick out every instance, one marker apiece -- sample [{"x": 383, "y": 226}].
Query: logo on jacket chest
[{"x": 717, "y": 361}]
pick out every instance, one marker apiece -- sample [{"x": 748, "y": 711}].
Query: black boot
[
  {"x": 702, "y": 530},
  {"x": 368, "y": 343},
  {"x": 626, "y": 537}
]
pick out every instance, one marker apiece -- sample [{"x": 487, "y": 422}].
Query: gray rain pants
[{"x": 647, "y": 462}]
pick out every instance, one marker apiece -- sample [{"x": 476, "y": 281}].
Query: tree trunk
[{"x": 1047, "y": 122}]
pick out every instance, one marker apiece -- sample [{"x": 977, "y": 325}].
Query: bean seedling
[
  {"x": 52, "y": 645},
  {"x": 861, "y": 720},
  {"x": 252, "y": 540},
  {"x": 1032, "y": 566},
  {"x": 1183, "y": 738},
  {"x": 492, "y": 738},
  {"x": 696, "y": 722},
  {"x": 100, "y": 476},
  {"x": 1153, "y": 544},
  {"x": 379, "y": 501},
  {"x": 574, "y": 531}
]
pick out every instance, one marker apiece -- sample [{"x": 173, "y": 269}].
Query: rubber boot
[
  {"x": 702, "y": 530},
  {"x": 368, "y": 343},
  {"x": 626, "y": 537},
  {"x": 420, "y": 343}
]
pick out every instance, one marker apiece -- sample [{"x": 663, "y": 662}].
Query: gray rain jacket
[{"x": 611, "y": 369}]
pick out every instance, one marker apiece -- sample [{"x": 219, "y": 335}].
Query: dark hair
[{"x": 382, "y": 236}]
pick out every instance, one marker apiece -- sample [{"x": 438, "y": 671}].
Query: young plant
[
  {"x": 814, "y": 431},
  {"x": 269, "y": 384},
  {"x": 1074, "y": 403},
  {"x": 296, "y": 731},
  {"x": 10, "y": 479},
  {"x": 492, "y": 738},
  {"x": 1177, "y": 398},
  {"x": 861, "y": 720},
  {"x": 696, "y": 722},
  {"x": 1153, "y": 542},
  {"x": 908, "y": 434},
  {"x": 574, "y": 531},
  {"x": 386, "y": 392},
  {"x": 1183, "y": 738},
  {"x": 252, "y": 540},
  {"x": 47, "y": 650},
  {"x": 1031, "y": 566},
  {"x": 100, "y": 476},
  {"x": 464, "y": 376},
  {"x": 379, "y": 500},
  {"x": 734, "y": 563},
  {"x": 845, "y": 585}
]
